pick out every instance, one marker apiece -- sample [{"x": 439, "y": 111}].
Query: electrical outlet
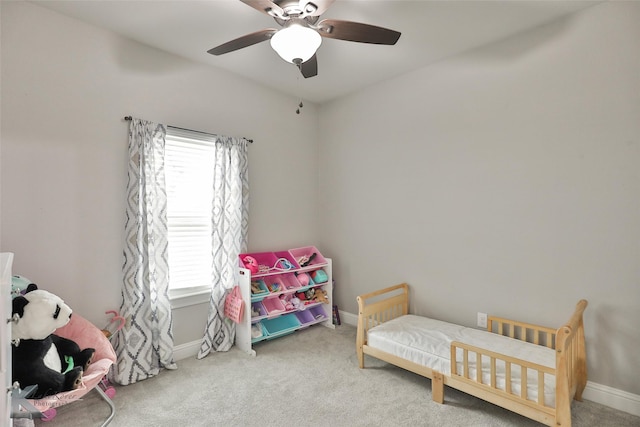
[{"x": 482, "y": 320}]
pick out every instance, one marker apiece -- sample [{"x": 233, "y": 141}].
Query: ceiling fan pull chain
[{"x": 300, "y": 105}]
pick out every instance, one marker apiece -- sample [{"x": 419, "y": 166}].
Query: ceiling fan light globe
[{"x": 296, "y": 42}]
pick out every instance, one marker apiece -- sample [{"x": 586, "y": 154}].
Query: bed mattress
[{"x": 427, "y": 342}]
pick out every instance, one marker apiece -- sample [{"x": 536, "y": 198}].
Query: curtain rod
[{"x": 129, "y": 118}]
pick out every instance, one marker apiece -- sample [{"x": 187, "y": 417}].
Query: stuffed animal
[
  {"x": 320, "y": 295},
  {"x": 53, "y": 363},
  {"x": 297, "y": 304},
  {"x": 310, "y": 294},
  {"x": 250, "y": 264},
  {"x": 288, "y": 305}
]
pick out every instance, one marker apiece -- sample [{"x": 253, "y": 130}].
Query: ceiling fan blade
[
  {"x": 266, "y": 6},
  {"x": 244, "y": 41},
  {"x": 309, "y": 68},
  {"x": 357, "y": 32}
]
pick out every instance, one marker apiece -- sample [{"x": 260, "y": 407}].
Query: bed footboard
[
  {"x": 378, "y": 307},
  {"x": 571, "y": 364},
  {"x": 570, "y": 371}
]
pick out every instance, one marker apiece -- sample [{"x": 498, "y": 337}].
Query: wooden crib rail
[
  {"x": 512, "y": 365},
  {"x": 522, "y": 331}
]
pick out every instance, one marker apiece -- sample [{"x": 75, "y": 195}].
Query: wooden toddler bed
[{"x": 531, "y": 370}]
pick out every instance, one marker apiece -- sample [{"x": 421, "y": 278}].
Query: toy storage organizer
[{"x": 270, "y": 293}]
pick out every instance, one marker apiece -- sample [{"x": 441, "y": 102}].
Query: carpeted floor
[{"x": 310, "y": 378}]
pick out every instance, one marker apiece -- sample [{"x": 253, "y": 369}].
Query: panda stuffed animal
[{"x": 51, "y": 362}]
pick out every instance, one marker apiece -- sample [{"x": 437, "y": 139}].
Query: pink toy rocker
[{"x": 85, "y": 334}]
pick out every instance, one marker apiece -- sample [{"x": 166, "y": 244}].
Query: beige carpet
[{"x": 310, "y": 378}]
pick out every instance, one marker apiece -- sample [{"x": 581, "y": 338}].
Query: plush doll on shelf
[
  {"x": 251, "y": 264},
  {"x": 288, "y": 305},
  {"x": 53, "y": 363},
  {"x": 320, "y": 295},
  {"x": 297, "y": 304}
]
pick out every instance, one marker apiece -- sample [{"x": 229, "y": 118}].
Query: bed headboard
[
  {"x": 378, "y": 307},
  {"x": 393, "y": 302}
]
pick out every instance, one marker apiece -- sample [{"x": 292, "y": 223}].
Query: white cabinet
[
  {"x": 6, "y": 260},
  {"x": 284, "y": 296}
]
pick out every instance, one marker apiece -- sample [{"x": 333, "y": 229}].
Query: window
[{"x": 189, "y": 160}]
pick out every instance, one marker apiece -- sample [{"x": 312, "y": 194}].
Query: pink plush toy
[{"x": 250, "y": 264}]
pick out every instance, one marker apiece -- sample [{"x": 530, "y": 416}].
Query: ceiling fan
[{"x": 302, "y": 32}]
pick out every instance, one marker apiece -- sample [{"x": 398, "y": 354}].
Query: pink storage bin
[
  {"x": 290, "y": 281},
  {"x": 275, "y": 284},
  {"x": 266, "y": 259},
  {"x": 308, "y": 252},
  {"x": 273, "y": 305},
  {"x": 286, "y": 255}
]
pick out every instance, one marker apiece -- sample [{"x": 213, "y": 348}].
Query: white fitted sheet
[{"x": 427, "y": 342}]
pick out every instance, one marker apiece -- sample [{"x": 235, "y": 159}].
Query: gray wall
[
  {"x": 66, "y": 87},
  {"x": 505, "y": 180}
]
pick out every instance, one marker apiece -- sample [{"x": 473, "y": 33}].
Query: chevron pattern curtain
[
  {"x": 230, "y": 215},
  {"x": 145, "y": 345}
]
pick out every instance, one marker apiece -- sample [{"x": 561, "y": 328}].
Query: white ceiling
[{"x": 431, "y": 30}]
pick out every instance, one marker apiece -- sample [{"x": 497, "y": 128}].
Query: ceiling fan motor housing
[{"x": 292, "y": 8}]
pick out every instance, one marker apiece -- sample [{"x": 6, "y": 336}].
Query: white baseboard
[
  {"x": 184, "y": 351},
  {"x": 348, "y": 318},
  {"x": 612, "y": 397},
  {"x": 605, "y": 395}
]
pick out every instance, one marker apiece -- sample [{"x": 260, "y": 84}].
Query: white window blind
[{"x": 189, "y": 159}]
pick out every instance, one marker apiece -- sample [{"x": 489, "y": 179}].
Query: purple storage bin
[
  {"x": 318, "y": 312},
  {"x": 305, "y": 317},
  {"x": 308, "y": 251},
  {"x": 257, "y": 307}
]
